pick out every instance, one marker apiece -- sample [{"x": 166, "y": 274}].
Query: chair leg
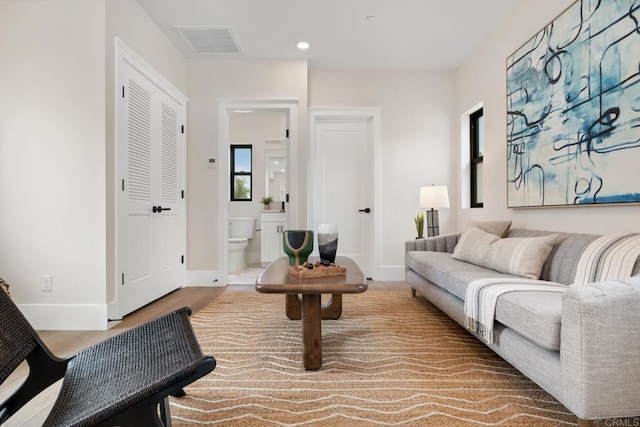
[
  {"x": 165, "y": 411},
  {"x": 148, "y": 413},
  {"x": 179, "y": 393}
]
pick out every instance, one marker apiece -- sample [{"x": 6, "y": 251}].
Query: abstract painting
[{"x": 573, "y": 109}]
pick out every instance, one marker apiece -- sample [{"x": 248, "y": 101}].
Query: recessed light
[
  {"x": 369, "y": 18},
  {"x": 303, "y": 45}
]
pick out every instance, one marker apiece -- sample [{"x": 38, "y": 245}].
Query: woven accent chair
[{"x": 123, "y": 381}]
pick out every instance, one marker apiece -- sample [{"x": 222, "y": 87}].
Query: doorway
[
  {"x": 344, "y": 146},
  {"x": 261, "y": 135},
  {"x": 238, "y": 114}
]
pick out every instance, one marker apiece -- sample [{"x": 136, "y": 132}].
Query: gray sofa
[{"x": 582, "y": 346}]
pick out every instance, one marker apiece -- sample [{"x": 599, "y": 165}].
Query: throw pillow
[
  {"x": 473, "y": 245},
  {"x": 499, "y": 228},
  {"x": 520, "y": 256}
]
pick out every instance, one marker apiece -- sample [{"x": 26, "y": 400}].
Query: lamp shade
[{"x": 434, "y": 197}]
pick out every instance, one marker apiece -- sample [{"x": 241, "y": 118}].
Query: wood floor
[{"x": 66, "y": 343}]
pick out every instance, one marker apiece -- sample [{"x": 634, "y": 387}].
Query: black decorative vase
[{"x": 327, "y": 242}]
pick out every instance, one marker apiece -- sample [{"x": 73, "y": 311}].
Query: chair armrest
[
  {"x": 600, "y": 349},
  {"x": 44, "y": 370},
  {"x": 444, "y": 243}
]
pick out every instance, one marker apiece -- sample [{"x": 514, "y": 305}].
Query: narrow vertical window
[
  {"x": 241, "y": 173},
  {"x": 476, "y": 126}
]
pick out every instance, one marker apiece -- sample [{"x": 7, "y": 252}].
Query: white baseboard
[
  {"x": 66, "y": 317},
  {"x": 253, "y": 257},
  {"x": 390, "y": 273},
  {"x": 113, "y": 312},
  {"x": 203, "y": 278}
]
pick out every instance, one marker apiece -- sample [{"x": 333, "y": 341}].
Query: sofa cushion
[
  {"x": 534, "y": 315},
  {"x": 450, "y": 274},
  {"x": 522, "y": 257},
  {"x": 458, "y": 280},
  {"x": 433, "y": 266}
]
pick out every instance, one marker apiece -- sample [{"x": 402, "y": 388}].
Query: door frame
[
  {"x": 317, "y": 114},
  {"x": 288, "y": 106}
]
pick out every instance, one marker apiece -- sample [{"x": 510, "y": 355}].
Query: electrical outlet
[{"x": 47, "y": 283}]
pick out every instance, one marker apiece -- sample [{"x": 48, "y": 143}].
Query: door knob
[
  {"x": 159, "y": 209},
  {"x": 366, "y": 210}
]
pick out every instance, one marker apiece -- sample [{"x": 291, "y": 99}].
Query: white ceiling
[{"x": 405, "y": 34}]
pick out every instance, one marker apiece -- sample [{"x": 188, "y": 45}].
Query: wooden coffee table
[{"x": 276, "y": 279}]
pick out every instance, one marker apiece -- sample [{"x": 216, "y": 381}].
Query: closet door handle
[{"x": 159, "y": 209}]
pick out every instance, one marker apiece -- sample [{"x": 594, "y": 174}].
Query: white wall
[
  {"x": 255, "y": 128},
  {"x": 56, "y": 149},
  {"x": 230, "y": 79},
  {"x": 52, "y": 158},
  {"x": 126, "y": 20},
  {"x": 417, "y": 136},
  {"x": 482, "y": 79}
]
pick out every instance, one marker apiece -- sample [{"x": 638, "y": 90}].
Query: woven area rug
[{"x": 390, "y": 360}]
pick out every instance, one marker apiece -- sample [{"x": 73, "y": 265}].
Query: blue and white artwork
[{"x": 573, "y": 109}]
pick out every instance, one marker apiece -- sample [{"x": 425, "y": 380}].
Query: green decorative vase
[{"x": 297, "y": 244}]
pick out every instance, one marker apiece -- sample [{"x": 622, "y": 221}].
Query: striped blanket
[
  {"x": 482, "y": 296},
  {"x": 609, "y": 257}
]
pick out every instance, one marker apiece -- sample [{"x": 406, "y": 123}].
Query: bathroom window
[{"x": 241, "y": 173}]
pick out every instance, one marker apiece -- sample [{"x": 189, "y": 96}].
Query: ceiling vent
[{"x": 209, "y": 39}]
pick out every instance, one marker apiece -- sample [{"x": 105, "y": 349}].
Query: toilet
[{"x": 241, "y": 229}]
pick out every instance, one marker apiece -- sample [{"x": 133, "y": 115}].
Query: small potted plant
[
  {"x": 266, "y": 201},
  {"x": 419, "y": 220}
]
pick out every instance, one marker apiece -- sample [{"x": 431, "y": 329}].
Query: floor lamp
[{"x": 432, "y": 198}]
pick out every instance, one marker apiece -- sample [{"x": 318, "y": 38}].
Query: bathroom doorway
[
  {"x": 264, "y": 133},
  {"x": 267, "y": 128}
]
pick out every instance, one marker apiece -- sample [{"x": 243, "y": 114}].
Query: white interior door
[
  {"x": 343, "y": 184},
  {"x": 150, "y": 164},
  {"x": 167, "y": 221},
  {"x": 135, "y": 237}
]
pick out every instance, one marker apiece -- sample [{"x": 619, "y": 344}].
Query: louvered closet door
[
  {"x": 166, "y": 228},
  {"x": 150, "y": 232}
]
